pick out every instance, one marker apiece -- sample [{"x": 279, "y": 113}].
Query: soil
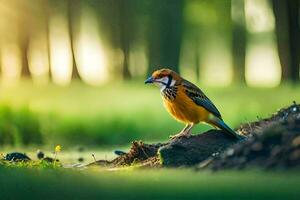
[
  {"x": 271, "y": 143},
  {"x": 275, "y": 144},
  {"x": 139, "y": 153}
]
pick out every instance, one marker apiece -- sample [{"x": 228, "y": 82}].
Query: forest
[
  {"x": 78, "y": 122},
  {"x": 100, "y": 41}
]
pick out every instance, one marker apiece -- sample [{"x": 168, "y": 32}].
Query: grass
[
  {"x": 147, "y": 184},
  {"x": 117, "y": 113},
  {"x": 38, "y": 164}
]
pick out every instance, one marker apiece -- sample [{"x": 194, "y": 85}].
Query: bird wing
[{"x": 199, "y": 98}]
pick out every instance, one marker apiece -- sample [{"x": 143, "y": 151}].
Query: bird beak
[{"x": 149, "y": 80}]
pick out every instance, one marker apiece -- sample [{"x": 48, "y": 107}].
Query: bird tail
[{"x": 223, "y": 126}]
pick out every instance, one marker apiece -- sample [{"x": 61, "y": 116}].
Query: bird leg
[
  {"x": 189, "y": 130},
  {"x": 186, "y": 132}
]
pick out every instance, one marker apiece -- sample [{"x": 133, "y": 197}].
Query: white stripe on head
[
  {"x": 172, "y": 83},
  {"x": 163, "y": 82}
]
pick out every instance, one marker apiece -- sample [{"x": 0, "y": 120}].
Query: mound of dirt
[
  {"x": 178, "y": 152},
  {"x": 139, "y": 153},
  {"x": 273, "y": 142},
  {"x": 191, "y": 151}
]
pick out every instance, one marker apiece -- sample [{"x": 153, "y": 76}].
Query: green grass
[
  {"x": 37, "y": 164},
  {"x": 147, "y": 184},
  {"x": 117, "y": 113}
]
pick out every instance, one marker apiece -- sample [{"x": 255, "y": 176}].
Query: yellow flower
[{"x": 57, "y": 148}]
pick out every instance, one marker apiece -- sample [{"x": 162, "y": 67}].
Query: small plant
[
  {"x": 56, "y": 151},
  {"x": 94, "y": 157}
]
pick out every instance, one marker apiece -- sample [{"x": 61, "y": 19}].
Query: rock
[
  {"x": 119, "y": 152},
  {"x": 17, "y": 157},
  {"x": 40, "y": 155},
  {"x": 191, "y": 151}
]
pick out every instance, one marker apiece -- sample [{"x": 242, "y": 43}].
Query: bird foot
[{"x": 180, "y": 135}]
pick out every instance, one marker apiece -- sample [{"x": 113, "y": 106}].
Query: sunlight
[
  {"x": 187, "y": 61},
  {"x": 60, "y": 50},
  {"x": 259, "y": 16},
  {"x": 262, "y": 61},
  {"x": 216, "y": 62},
  {"x": 138, "y": 60},
  {"x": 262, "y": 66},
  {"x": 10, "y": 63},
  {"x": 90, "y": 56},
  {"x": 38, "y": 58}
]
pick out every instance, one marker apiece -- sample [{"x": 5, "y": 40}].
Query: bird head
[{"x": 164, "y": 78}]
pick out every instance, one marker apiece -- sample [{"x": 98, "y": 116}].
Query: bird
[{"x": 187, "y": 103}]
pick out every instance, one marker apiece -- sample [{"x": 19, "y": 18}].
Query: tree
[
  {"x": 45, "y": 8},
  {"x": 164, "y": 34},
  {"x": 126, "y": 29},
  {"x": 24, "y": 44},
  {"x": 25, "y": 26},
  {"x": 239, "y": 40},
  {"x": 116, "y": 19},
  {"x": 288, "y": 37},
  {"x": 70, "y": 9},
  {"x": 197, "y": 58}
]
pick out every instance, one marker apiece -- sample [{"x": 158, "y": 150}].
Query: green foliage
[
  {"x": 118, "y": 113},
  {"x": 39, "y": 164},
  {"x": 19, "y": 127}
]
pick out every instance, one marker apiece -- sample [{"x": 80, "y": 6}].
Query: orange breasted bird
[{"x": 187, "y": 103}]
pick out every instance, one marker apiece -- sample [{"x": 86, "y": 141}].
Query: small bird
[{"x": 187, "y": 103}]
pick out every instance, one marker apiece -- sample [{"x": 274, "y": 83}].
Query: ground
[{"x": 141, "y": 184}]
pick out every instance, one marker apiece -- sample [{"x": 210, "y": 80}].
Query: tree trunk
[
  {"x": 282, "y": 34},
  {"x": 287, "y": 32},
  {"x": 71, "y": 5},
  {"x": 197, "y": 59},
  {"x": 48, "y": 45},
  {"x": 294, "y": 35},
  {"x": 125, "y": 24},
  {"x": 165, "y": 34},
  {"x": 24, "y": 44},
  {"x": 239, "y": 40}
]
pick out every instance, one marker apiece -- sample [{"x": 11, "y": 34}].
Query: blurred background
[{"x": 72, "y": 71}]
